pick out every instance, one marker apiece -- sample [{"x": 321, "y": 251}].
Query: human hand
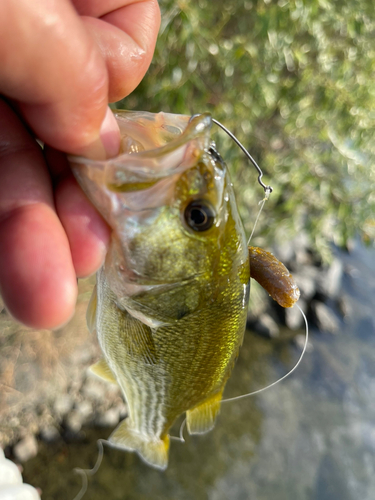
[{"x": 61, "y": 62}]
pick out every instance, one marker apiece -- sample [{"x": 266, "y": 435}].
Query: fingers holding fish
[
  {"x": 86, "y": 230},
  {"x": 126, "y": 37},
  {"x": 54, "y": 69},
  {"x": 62, "y": 67},
  {"x": 37, "y": 277}
]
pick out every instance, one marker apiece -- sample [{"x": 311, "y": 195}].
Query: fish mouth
[
  {"x": 162, "y": 153},
  {"x": 143, "y": 177}
]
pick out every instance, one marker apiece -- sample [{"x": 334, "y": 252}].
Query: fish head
[{"x": 169, "y": 200}]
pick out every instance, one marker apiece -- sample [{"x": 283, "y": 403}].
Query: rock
[
  {"x": 63, "y": 405},
  {"x": 50, "y": 434},
  {"x": 110, "y": 418},
  {"x": 307, "y": 281},
  {"x": 265, "y": 325},
  {"x": 26, "y": 448},
  {"x": 293, "y": 317},
  {"x": 326, "y": 319},
  {"x": 300, "y": 340},
  {"x": 284, "y": 252},
  {"x": 94, "y": 389},
  {"x": 9, "y": 473},
  {"x": 74, "y": 421},
  {"x": 84, "y": 408},
  {"x": 345, "y": 306},
  {"x": 329, "y": 283},
  {"x": 19, "y": 491}
]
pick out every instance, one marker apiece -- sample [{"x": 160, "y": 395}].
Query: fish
[{"x": 170, "y": 302}]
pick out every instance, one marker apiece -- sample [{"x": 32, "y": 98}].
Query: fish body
[{"x": 170, "y": 303}]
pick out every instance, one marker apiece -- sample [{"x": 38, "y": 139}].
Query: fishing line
[
  {"x": 261, "y": 203},
  {"x": 84, "y": 473},
  {"x": 267, "y": 189},
  {"x": 284, "y": 376},
  {"x": 181, "y": 437},
  {"x": 234, "y": 138}
]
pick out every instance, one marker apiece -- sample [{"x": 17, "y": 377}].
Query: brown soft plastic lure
[{"x": 273, "y": 276}]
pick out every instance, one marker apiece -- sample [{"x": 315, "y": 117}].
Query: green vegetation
[{"x": 294, "y": 81}]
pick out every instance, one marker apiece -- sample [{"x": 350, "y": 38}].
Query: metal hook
[{"x": 267, "y": 189}]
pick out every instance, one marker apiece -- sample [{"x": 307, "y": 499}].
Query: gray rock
[
  {"x": 284, "y": 252},
  {"x": 329, "y": 283},
  {"x": 345, "y": 306},
  {"x": 74, "y": 421},
  {"x": 63, "y": 405},
  {"x": 293, "y": 317},
  {"x": 50, "y": 434},
  {"x": 26, "y": 448},
  {"x": 94, "y": 389},
  {"x": 267, "y": 326},
  {"x": 84, "y": 408},
  {"x": 110, "y": 418},
  {"x": 327, "y": 320},
  {"x": 307, "y": 280}
]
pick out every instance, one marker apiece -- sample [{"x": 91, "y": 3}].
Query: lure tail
[{"x": 153, "y": 451}]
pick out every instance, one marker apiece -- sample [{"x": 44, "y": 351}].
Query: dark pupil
[{"x": 199, "y": 215}]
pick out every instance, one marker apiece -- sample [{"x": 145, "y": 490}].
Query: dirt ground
[{"x": 44, "y": 385}]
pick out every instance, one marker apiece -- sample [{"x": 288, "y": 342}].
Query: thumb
[{"x": 53, "y": 68}]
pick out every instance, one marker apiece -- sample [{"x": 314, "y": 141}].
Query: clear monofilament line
[
  {"x": 243, "y": 396},
  {"x": 84, "y": 473},
  {"x": 283, "y": 377},
  {"x": 181, "y": 437},
  {"x": 261, "y": 203}
]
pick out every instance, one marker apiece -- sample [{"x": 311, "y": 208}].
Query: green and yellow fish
[{"x": 170, "y": 303}]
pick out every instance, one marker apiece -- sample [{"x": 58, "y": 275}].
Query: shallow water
[{"x": 312, "y": 437}]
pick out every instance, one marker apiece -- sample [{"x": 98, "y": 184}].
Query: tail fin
[{"x": 152, "y": 450}]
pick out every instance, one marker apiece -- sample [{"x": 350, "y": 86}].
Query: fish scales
[{"x": 171, "y": 298}]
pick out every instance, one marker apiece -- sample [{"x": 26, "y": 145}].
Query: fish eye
[{"x": 199, "y": 215}]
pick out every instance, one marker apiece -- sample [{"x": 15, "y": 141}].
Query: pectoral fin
[
  {"x": 152, "y": 450},
  {"x": 202, "y": 418},
  {"x": 91, "y": 311},
  {"x": 102, "y": 370},
  {"x": 138, "y": 339}
]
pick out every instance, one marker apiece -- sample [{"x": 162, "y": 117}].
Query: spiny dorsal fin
[
  {"x": 153, "y": 451},
  {"x": 102, "y": 370},
  {"x": 202, "y": 418},
  {"x": 91, "y": 311}
]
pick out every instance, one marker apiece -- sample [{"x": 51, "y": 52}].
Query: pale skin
[{"x": 61, "y": 62}]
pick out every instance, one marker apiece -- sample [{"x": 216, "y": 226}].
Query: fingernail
[{"x": 110, "y": 134}]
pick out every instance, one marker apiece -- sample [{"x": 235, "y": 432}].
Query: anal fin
[
  {"x": 103, "y": 371},
  {"x": 202, "y": 418},
  {"x": 152, "y": 450}
]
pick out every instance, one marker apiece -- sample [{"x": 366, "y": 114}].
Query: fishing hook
[{"x": 267, "y": 189}]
